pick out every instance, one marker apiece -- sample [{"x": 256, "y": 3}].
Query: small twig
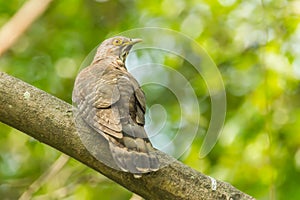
[
  {"x": 18, "y": 24},
  {"x": 60, "y": 193},
  {"x": 54, "y": 169}
]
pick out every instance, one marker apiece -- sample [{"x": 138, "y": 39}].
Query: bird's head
[{"x": 118, "y": 46}]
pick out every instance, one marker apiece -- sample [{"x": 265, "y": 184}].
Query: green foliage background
[{"x": 256, "y": 46}]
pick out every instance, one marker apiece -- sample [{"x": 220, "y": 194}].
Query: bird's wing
[
  {"x": 140, "y": 106},
  {"x": 134, "y": 151},
  {"x": 93, "y": 95}
]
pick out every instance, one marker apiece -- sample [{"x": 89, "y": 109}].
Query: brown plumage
[{"x": 111, "y": 102}]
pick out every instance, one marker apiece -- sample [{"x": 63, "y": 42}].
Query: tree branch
[{"x": 50, "y": 121}]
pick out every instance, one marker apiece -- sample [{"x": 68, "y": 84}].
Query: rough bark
[{"x": 50, "y": 120}]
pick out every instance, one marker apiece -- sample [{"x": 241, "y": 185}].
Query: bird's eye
[{"x": 117, "y": 42}]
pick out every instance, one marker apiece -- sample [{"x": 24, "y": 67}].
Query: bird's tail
[{"x": 134, "y": 155}]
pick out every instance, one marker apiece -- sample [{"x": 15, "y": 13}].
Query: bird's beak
[
  {"x": 135, "y": 40},
  {"x": 128, "y": 45}
]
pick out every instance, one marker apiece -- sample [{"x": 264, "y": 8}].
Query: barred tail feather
[{"x": 133, "y": 161}]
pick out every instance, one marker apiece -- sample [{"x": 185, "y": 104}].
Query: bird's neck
[
  {"x": 119, "y": 64},
  {"x": 116, "y": 62}
]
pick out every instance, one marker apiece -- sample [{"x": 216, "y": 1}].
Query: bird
[{"x": 111, "y": 102}]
